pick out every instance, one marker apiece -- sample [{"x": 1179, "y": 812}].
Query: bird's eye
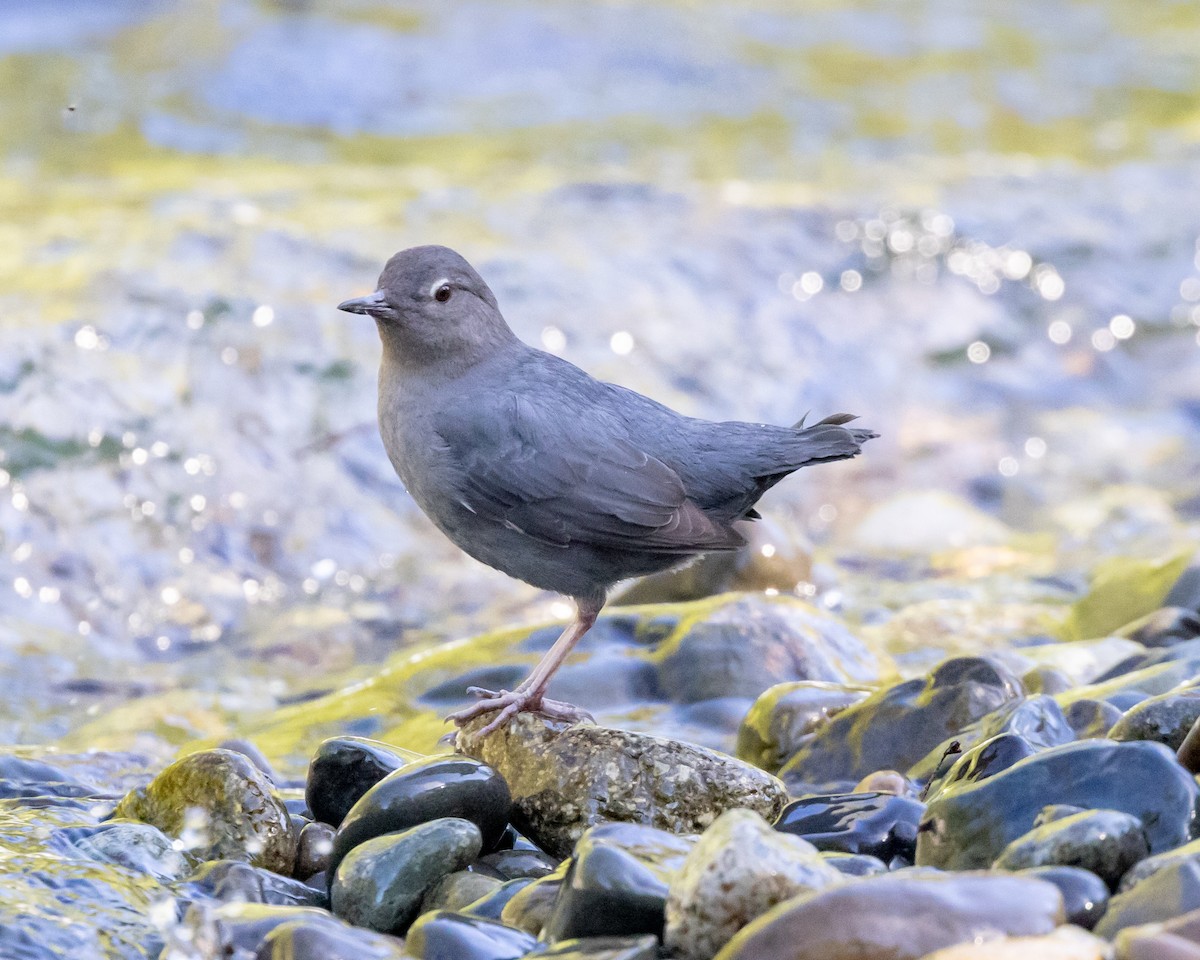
[{"x": 442, "y": 293}]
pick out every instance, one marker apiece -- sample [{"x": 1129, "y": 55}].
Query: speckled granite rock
[
  {"x": 566, "y": 778},
  {"x": 738, "y": 870},
  {"x": 226, "y": 805}
]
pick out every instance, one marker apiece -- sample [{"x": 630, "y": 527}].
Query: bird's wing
[{"x": 565, "y": 478}]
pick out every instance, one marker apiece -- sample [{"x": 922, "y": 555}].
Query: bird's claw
[{"x": 506, "y": 705}]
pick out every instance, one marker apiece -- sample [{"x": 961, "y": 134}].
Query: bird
[{"x": 535, "y": 468}]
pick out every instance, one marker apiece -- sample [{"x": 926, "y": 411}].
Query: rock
[
  {"x": 738, "y": 870},
  {"x": 343, "y": 769},
  {"x": 424, "y": 790},
  {"x": 442, "y": 935},
  {"x": 599, "y": 948},
  {"x": 617, "y": 882},
  {"x": 745, "y": 646},
  {"x": 1188, "y": 753},
  {"x": 313, "y": 849},
  {"x": 969, "y": 824},
  {"x": 1166, "y": 718},
  {"x": 511, "y": 864},
  {"x": 896, "y": 727},
  {"x": 1123, "y": 590},
  {"x": 1166, "y": 893},
  {"x": 899, "y": 917},
  {"x": 1091, "y": 718},
  {"x": 1164, "y": 627},
  {"x": 785, "y": 715},
  {"x": 1143, "y": 869},
  {"x": 237, "y": 882},
  {"x": 327, "y": 939},
  {"x": 140, "y": 847},
  {"x": 1106, "y": 842},
  {"x": 222, "y": 807},
  {"x": 1046, "y": 680},
  {"x": 1176, "y": 939},
  {"x": 1085, "y": 895},
  {"x": 235, "y": 929},
  {"x": 855, "y": 864},
  {"x": 1185, "y": 591},
  {"x": 491, "y": 905},
  {"x": 1065, "y": 943},
  {"x": 927, "y": 522},
  {"x": 983, "y": 760},
  {"x": 457, "y": 890},
  {"x": 381, "y": 882},
  {"x": 886, "y": 781},
  {"x": 565, "y": 779},
  {"x": 529, "y": 908},
  {"x": 880, "y": 825}
]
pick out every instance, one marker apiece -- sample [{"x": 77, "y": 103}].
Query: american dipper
[{"x": 533, "y": 467}]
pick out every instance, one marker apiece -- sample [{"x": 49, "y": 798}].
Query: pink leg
[{"x": 529, "y": 694}]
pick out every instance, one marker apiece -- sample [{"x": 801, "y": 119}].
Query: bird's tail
[{"x": 830, "y": 439}]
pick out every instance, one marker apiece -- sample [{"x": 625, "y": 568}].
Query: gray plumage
[{"x": 537, "y": 469}]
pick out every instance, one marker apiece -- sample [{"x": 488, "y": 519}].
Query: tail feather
[{"x": 829, "y": 439}]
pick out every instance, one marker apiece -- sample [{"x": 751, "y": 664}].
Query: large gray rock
[
  {"x": 566, "y": 778},
  {"x": 737, "y": 871},
  {"x": 222, "y": 807}
]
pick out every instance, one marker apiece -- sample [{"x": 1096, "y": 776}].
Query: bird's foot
[{"x": 507, "y": 705}]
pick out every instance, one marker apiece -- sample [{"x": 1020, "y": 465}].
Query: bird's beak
[{"x": 370, "y": 305}]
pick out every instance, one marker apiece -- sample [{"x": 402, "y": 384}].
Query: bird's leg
[{"x": 529, "y": 694}]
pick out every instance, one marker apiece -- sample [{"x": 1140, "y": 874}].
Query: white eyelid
[{"x": 436, "y": 284}]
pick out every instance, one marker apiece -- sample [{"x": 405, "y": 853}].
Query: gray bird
[{"x": 535, "y": 468}]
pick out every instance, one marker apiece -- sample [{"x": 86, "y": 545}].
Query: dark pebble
[
  {"x": 456, "y": 890},
  {"x": 511, "y": 864},
  {"x": 1092, "y": 718},
  {"x": 491, "y": 905},
  {"x": 241, "y": 927},
  {"x": 600, "y": 948},
  {"x": 327, "y": 939},
  {"x": 880, "y": 825},
  {"x": 343, "y": 769},
  {"x": 967, "y": 825},
  {"x": 781, "y": 719},
  {"x": 529, "y": 908},
  {"x": 980, "y": 762},
  {"x": 1105, "y": 842},
  {"x": 429, "y": 789},
  {"x": 381, "y": 883},
  {"x": 1166, "y": 718},
  {"x": 313, "y": 849},
  {"x": 1164, "y": 627},
  {"x": 1085, "y": 895},
  {"x": 1166, "y": 893},
  {"x": 855, "y": 864},
  {"x": 442, "y": 935},
  {"x": 617, "y": 882}
]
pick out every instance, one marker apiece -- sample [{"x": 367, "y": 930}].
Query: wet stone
[
  {"x": 529, "y": 908},
  {"x": 343, "y": 769},
  {"x": 880, "y": 825},
  {"x": 1091, "y": 718},
  {"x": 567, "y": 778},
  {"x": 754, "y": 642},
  {"x": 1065, "y": 943},
  {"x": 313, "y": 849},
  {"x": 738, "y": 870},
  {"x": 239, "y": 928},
  {"x": 1085, "y": 895},
  {"x": 785, "y": 715},
  {"x": 424, "y": 790},
  {"x": 26, "y": 777},
  {"x": 1175, "y": 939},
  {"x": 968, "y": 825},
  {"x": 855, "y": 864},
  {"x": 897, "y": 727},
  {"x": 1165, "y": 719},
  {"x": 873, "y": 918},
  {"x": 381, "y": 882},
  {"x": 1164, "y": 894},
  {"x": 617, "y": 882},
  {"x": 983, "y": 760},
  {"x": 457, "y": 890},
  {"x": 441, "y": 935},
  {"x": 1106, "y": 842},
  {"x": 599, "y": 948},
  {"x": 491, "y": 905},
  {"x": 140, "y": 847},
  {"x": 511, "y": 864},
  {"x": 1188, "y": 753},
  {"x": 235, "y": 881},
  {"x": 224, "y": 803},
  {"x": 1164, "y": 627},
  {"x": 327, "y": 939}
]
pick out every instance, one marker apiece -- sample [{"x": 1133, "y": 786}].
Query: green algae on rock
[
  {"x": 786, "y": 714},
  {"x": 222, "y": 806},
  {"x": 566, "y": 778}
]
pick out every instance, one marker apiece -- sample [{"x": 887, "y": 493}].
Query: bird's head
[{"x": 432, "y": 307}]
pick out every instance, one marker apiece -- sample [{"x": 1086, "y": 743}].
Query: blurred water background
[{"x": 976, "y": 225}]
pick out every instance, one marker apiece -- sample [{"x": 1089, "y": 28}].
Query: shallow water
[{"x": 977, "y": 228}]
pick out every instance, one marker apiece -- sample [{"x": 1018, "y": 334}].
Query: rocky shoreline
[{"x": 1038, "y": 800}]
